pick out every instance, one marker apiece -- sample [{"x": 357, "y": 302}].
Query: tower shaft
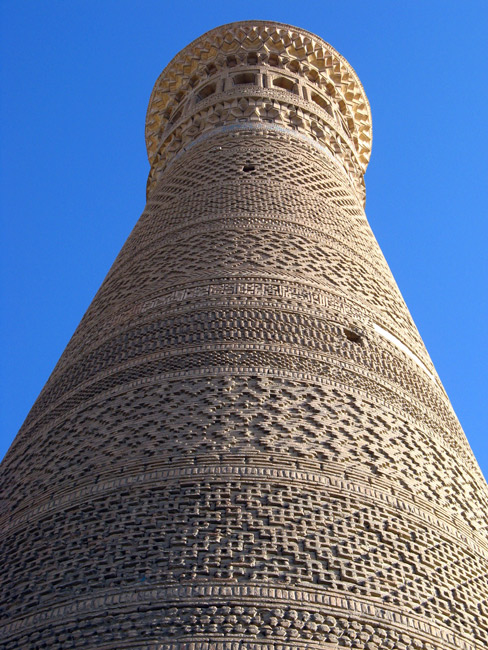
[{"x": 245, "y": 444}]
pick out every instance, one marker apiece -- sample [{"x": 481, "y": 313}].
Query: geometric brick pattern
[{"x": 245, "y": 445}]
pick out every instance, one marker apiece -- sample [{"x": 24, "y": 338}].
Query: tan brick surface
[{"x": 245, "y": 445}]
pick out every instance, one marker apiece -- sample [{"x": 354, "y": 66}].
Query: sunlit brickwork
[{"x": 245, "y": 445}]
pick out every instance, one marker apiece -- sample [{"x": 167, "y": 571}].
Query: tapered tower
[{"x": 245, "y": 445}]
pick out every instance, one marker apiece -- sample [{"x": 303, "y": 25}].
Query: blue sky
[{"x": 75, "y": 82}]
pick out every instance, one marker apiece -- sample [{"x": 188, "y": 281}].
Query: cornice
[{"x": 275, "y": 46}]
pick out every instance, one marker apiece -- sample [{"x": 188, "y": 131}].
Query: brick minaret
[{"x": 245, "y": 445}]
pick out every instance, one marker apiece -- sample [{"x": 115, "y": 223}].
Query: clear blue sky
[{"x": 75, "y": 83}]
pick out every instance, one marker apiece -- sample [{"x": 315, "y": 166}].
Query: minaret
[{"x": 245, "y": 445}]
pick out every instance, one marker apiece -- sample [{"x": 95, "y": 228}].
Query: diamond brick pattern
[{"x": 245, "y": 445}]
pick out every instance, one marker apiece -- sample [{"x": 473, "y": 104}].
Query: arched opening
[
  {"x": 294, "y": 66},
  {"x": 314, "y": 77},
  {"x": 274, "y": 60},
  {"x": 285, "y": 84},
  {"x": 244, "y": 78},
  {"x": 206, "y": 91},
  {"x": 320, "y": 101}
]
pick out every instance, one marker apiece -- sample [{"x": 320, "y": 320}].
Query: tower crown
[{"x": 266, "y": 73}]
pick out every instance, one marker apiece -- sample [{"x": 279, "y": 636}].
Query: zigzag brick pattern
[{"x": 245, "y": 445}]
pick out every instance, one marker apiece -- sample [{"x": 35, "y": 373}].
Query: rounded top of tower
[{"x": 265, "y": 43}]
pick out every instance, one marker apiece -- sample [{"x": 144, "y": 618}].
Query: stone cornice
[{"x": 260, "y": 46}]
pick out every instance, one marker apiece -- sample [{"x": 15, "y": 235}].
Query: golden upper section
[{"x": 314, "y": 89}]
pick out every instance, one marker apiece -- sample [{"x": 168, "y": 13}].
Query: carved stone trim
[{"x": 295, "y": 65}]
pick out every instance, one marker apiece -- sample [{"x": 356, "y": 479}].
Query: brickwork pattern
[{"x": 245, "y": 445}]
